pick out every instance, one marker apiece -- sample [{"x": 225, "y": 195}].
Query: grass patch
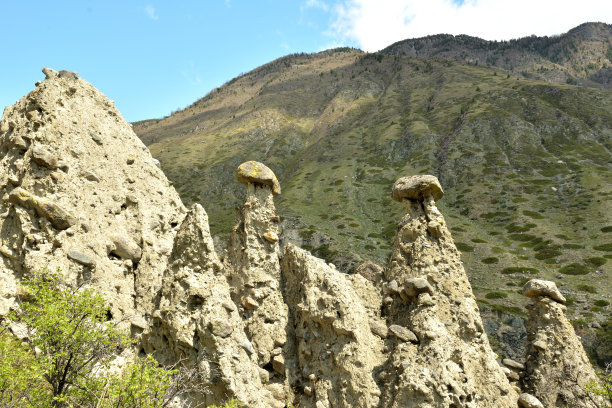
[
  {"x": 490, "y": 260},
  {"x": 533, "y": 214},
  {"x": 607, "y": 228},
  {"x": 478, "y": 241},
  {"x": 574, "y": 269},
  {"x": 601, "y": 303},
  {"x": 521, "y": 237}
]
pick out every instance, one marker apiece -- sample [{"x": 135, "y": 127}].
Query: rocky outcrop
[
  {"x": 557, "y": 368},
  {"x": 197, "y": 323},
  {"x": 254, "y": 273},
  {"x": 448, "y": 362},
  {"x": 83, "y": 194},
  {"x": 337, "y": 352}
]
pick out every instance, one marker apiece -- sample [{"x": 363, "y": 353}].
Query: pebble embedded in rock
[
  {"x": 125, "y": 247},
  {"x": 42, "y": 157},
  {"x": 59, "y": 218},
  {"x": 403, "y": 333},
  {"x": 249, "y": 303},
  {"x": 278, "y": 363},
  {"x": 378, "y": 328},
  {"x": 271, "y": 237},
  {"x": 80, "y": 258},
  {"x": 529, "y": 401},
  {"x": 513, "y": 364},
  {"x": 415, "y": 286},
  {"x": 220, "y": 328}
]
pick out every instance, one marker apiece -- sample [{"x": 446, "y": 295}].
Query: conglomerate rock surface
[
  {"x": 557, "y": 368},
  {"x": 83, "y": 194}
]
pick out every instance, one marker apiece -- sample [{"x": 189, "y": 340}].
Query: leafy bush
[
  {"x": 69, "y": 346},
  {"x": 496, "y": 295},
  {"x": 605, "y": 247},
  {"x": 587, "y": 288},
  {"x": 596, "y": 261},
  {"x": 464, "y": 247},
  {"x": 490, "y": 260},
  {"x": 574, "y": 269},
  {"x": 601, "y": 303},
  {"x": 519, "y": 269}
]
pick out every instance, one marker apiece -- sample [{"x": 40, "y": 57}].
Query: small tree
[
  {"x": 69, "y": 348},
  {"x": 604, "y": 388}
]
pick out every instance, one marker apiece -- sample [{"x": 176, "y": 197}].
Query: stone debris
[
  {"x": 370, "y": 271},
  {"x": 538, "y": 287},
  {"x": 81, "y": 258}
]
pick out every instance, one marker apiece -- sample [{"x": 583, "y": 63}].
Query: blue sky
[{"x": 152, "y": 57}]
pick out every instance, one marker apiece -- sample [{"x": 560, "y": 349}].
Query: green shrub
[
  {"x": 574, "y": 269},
  {"x": 478, "y": 241},
  {"x": 464, "y": 247},
  {"x": 496, "y": 295},
  {"x": 601, "y": 303},
  {"x": 521, "y": 237},
  {"x": 607, "y": 229},
  {"x": 595, "y": 261},
  {"x": 587, "y": 288},
  {"x": 519, "y": 269},
  {"x": 490, "y": 260},
  {"x": 71, "y": 342},
  {"x": 547, "y": 253},
  {"x": 605, "y": 247}
]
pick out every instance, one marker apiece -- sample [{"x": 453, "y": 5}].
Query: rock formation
[
  {"x": 440, "y": 355},
  {"x": 82, "y": 193},
  {"x": 197, "y": 323},
  {"x": 557, "y": 367}
]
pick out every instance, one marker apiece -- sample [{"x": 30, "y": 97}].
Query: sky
[{"x": 153, "y": 57}]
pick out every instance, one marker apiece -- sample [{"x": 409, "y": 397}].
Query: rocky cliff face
[
  {"x": 83, "y": 194},
  {"x": 271, "y": 328}
]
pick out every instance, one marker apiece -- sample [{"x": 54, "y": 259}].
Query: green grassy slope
[{"x": 526, "y": 165}]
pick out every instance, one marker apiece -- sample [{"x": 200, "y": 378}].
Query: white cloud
[
  {"x": 317, "y": 4},
  {"x": 150, "y": 10},
  {"x": 375, "y": 24}
]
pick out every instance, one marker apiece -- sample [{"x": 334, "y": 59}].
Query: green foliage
[
  {"x": 519, "y": 269},
  {"x": 601, "y": 303},
  {"x": 464, "y": 247},
  {"x": 490, "y": 260},
  {"x": 496, "y": 295},
  {"x": 233, "y": 403},
  {"x": 607, "y": 228},
  {"x": 595, "y": 261},
  {"x": 69, "y": 348},
  {"x": 587, "y": 288},
  {"x": 574, "y": 269},
  {"x": 603, "y": 388},
  {"x": 605, "y": 247}
]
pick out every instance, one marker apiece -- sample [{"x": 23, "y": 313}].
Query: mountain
[
  {"x": 580, "y": 56},
  {"x": 526, "y": 164}
]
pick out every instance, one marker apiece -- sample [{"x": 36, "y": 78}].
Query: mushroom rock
[
  {"x": 258, "y": 173},
  {"x": 194, "y": 324},
  {"x": 48, "y": 141},
  {"x": 253, "y": 268},
  {"x": 557, "y": 367},
  {"x": 451, "y": 363},
  {"x": 337, "y": 351}
]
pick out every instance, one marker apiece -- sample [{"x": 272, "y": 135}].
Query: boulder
[
  {"x": 417, "y": 188},
  {"x": 538, "y": 287},
  {"x": 258, "y": 173}
]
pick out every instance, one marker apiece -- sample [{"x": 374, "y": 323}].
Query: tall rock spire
[{"x": 440, "y": 355}]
